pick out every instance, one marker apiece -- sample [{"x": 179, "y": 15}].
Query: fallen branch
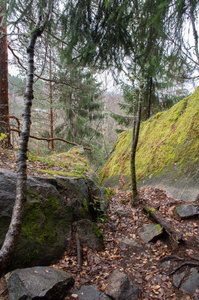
[
  {"x": 175, "y": 237},
  {"x": 188, "y": 263},
  {"x": 50, "y": 139}
]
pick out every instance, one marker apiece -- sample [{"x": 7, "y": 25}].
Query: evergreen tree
[{"x": 81, "y": 106}]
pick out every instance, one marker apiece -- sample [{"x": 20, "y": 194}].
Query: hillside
[{"x": 167, "y": 154}]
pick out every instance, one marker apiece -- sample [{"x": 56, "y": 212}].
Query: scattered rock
[
  {"x": 191, "y": 284},
  {"x": 90, "y": 292},
  {"x": 177, "y": 279},
  {"x": 128, "y": 242},
  {"x": 90, "y": 235},
  {"x": 187, "y": 211},
  {"x": 38, "y": 283},
  {"x": 121, "y": 213},
  {"x": 150, "y": 232},
  {"x": 120, "y": 287}
]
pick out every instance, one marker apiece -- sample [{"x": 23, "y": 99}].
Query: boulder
[
  {"x": 191, "y": 284},
  {"x": 38, "y": 283},
  {"x": 150, "y": 232},
  {"x": 187, "y": 211},
  {"x": 120, "y": 287},
  {"x": 89, "y": 292},
  {"x": 167, "y": 152},
  {"x": 90, "y": 235},
  {"x": 53, "y": 204}
]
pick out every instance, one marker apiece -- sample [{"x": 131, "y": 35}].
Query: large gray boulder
[
  {"x": 38, "y": 283},
  {"x": 52, "y": 206}
]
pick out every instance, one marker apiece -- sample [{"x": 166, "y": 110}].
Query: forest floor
[{"x": 145, "y": 263}]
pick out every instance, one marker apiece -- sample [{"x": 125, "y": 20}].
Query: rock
[
  {"x": 177, "y": 279},
  {"x": 128, "y": 242},
  {"x": 51, "y": 208},
  {"x": 120, "y": 287},
  {"x": 162, "y": 137},
  {"x": 46, "y": 227},
  {"x": 89, "y": 292},
  {"x": 98, "y": 191},
  {"x": 187, "y": 211},
  {"x": 38, "y": 283},
  {"x": 191, "y": 284},
  {"x": 90, "y": 235},
  {"x": 150, "y": 232},
  {"x": 121, "y": 213}
]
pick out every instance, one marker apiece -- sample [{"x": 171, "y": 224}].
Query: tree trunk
[
  {"x": 4, "y": 100},
  {"x": 149, "y": 98},
  {"x": 51, "y": 106},
  {"x": 135, "y": 135},
  {"x": 12, "y": 235}
]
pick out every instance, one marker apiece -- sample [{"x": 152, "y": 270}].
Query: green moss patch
[
  {"x": 46, "y": 225},
  {"x": 167, "y": 141},
  {"x": 71, "y": 163}
]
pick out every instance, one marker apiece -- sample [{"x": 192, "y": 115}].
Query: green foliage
[{"x": 3, "y": 136}]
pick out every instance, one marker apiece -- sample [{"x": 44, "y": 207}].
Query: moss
[
  {"x": 44, "y": 224},
  {"x": 98, "y": 232},
  {"x": 151, "y": 209},
  {"x": 71, "y": 163},
  {"x": 166, "y": 141},
  {"x": 159, "y": 228},
  {"x": 85, "y": 206}
]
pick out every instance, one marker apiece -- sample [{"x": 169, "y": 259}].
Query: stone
[
  {"x": 52, "y": 206},
  {"x": 120, "y": 287},
  {"x": 90, "y": 235},
  {"x": 150, "y": 232},
  {"x": 177, "y": 279},
  {"x": 38, "y": 283},
  {"x": 191, "y": 284},
  {"x": 98, "y": 191},
  {"x": 186, "y": 211},
  {"x": 128, "y": 242},
  {"x": 89, "y": 292},
  {"x": 121, "y": 213}
]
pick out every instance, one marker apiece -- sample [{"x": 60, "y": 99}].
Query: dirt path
[{"x": 140, "y": 260}]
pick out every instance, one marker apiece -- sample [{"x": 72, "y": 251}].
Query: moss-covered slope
[{"x": 168, "y": 150}]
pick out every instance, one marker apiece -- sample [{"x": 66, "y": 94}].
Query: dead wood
[
  {"x": 187, "y": 263},
  {"x": 175, "y": 237},
  {"x": 49, "y": 139}
]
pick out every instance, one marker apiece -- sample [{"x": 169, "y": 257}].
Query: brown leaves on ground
[{"x": 141, "y": 261}]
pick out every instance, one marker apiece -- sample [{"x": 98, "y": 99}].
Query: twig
[
  {"x": 188, "y": 263},
  {"x": 171, "y": 256}
]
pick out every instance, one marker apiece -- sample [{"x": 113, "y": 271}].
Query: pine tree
[{"x": 81, "y": 106}]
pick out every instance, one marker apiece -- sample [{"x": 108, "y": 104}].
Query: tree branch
[{"x": 50, "y": 139}]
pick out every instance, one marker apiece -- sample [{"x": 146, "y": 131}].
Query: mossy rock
[
  {"x": 167, "y": 152},
  {"x": 53, "y": 204}
]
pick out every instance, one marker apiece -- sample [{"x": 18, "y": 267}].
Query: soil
[{"x": 147, "y": 264}]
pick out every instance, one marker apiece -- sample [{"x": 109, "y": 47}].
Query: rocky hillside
[{"x": 167, "y": 154}]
